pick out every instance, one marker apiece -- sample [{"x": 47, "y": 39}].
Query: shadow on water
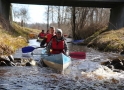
[
  {"x": 83, "y": 74},
  {"x": 3, "y": 78}
]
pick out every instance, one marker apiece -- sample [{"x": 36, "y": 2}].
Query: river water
[{"x": 83, "y": 74}]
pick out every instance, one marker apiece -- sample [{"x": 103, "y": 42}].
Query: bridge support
[
  {"x": 116, "y": 18},
  {"x": 4, "y": 9}
]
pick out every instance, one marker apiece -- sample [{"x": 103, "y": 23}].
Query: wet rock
[
  {"x": 4, "y": 57},
  {"x": 118, "y": 65},
  {"x": 2, "y": 63},
  {"x": 28, "y": 64},
  {"x": 33, "y": 62},
  {"x": 10, "y": 61},
  {"x": 122, "y": 53},
  {"x": 106, "y": 63},
  {"x": 17, "y": 60},
  {"x": 11, "y": 58},
  {"x": 114, "y": 64},
  {"x": 111, "y": 66},
  {"x": 25, "y": 62},
  {"x": 5, "y": 61}
]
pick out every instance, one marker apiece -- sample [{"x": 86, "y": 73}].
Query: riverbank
[
  {"x": 9, "y": 44},
  {"x": 106, "y": 40},
  {"x": 13, "y": 38}
]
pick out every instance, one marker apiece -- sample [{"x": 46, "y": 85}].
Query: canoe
[
  {"x": 77, "y": 41},
  {"x": 56, "y": 61}
]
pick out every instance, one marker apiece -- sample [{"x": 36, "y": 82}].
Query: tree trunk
[
  {"x": 10, "y": 14},
  {"x": 48, "y": 18},
  {"x": 73, "y": 22},
  {"x": 59, "y": 17},
  {"x": 52, "y": 14}
]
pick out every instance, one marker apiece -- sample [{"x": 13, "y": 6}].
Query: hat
[{"x": 59, "y": 31}]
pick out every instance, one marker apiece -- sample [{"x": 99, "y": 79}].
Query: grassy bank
[
  {"x": 13, "y": 39},
  {"x": 23, "y": 31},
  {"x": 112, "y": 40}
]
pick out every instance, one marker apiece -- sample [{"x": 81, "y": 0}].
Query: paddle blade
[
  {"x": 78, "y": 55},
  {"x": 27, "y": 49},
  {"x": 77, "y": 41}
]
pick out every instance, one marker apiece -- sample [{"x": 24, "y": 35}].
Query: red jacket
[
  {"x": 42, "y": 35},
  {"x": 49, "y": 36},
  {"x": 57, "y": 47}
]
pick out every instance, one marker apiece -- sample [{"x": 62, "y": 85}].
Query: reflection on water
[
  {"x": 33, "y": 42},
  {"x": 82, "y": 74},
  {"x": 2, "y": 72}
]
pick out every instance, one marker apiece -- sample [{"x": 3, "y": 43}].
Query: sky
[{"x": 36, "y": 12}]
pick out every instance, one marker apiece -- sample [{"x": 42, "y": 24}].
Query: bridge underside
[
  {"x": 76, "y": 3},
  {"x": 117, "y": 7},
  {"x": 116, "y": 18}
]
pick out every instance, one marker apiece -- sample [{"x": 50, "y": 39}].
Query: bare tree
[
  {"x": 21, "y": 14},
  {"x": 48, "y": 18},
  {"x": 82, "y": 22},
  {"x": 73, "y": 22},
  {"x": 59, "y": 16},
  {"x": 52, "y": 12}
]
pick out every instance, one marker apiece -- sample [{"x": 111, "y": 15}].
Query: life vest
[
  {"x": 57, "y": 47},
  {"x": 46, "y": 34},
  {"x": 49, "y": 36},
  {"x": 42, "y": 35}
]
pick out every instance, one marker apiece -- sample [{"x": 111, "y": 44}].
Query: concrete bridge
[{"x": 116, "y": 15}]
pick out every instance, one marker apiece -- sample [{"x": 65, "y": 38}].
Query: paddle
[
  {"x": 29, "y": 49},
  {"x": 78, "y": 55}
]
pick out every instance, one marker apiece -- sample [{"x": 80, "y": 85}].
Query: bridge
[
  {"x": 76, "y": 3},
  {"x": 116, "y": 15}
]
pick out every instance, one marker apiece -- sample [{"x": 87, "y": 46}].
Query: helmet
[{"x": 59, "y": 31}]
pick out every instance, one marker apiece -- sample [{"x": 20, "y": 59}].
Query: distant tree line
[{"x": 78, "y": 22}]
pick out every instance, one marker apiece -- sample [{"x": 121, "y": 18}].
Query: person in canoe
[
  {"x": 47, "y": 32},
  {"x": 48, "y": 37},
  {"x": 57, "y": 44},
  {"x": 41, "y": 34}
]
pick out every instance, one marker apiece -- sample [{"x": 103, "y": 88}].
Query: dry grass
[
  {"x": 92, "y": 37},
  {"x": 109, "y": 41},
  {"x": 23, "y": 31},
  {"x": 9, "y": 44},
  {"x": 11, "y": 40}
]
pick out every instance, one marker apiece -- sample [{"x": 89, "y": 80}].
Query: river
[{"x": 83, "y": 74}]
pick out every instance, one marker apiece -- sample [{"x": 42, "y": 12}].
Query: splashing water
[{"x": 83, "y": 74}]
